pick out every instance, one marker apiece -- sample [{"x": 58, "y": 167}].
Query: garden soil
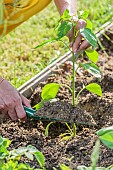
[{"x": 92, "y": 113}]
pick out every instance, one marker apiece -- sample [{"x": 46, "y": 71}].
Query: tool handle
[{"x": 29, "y": 111}]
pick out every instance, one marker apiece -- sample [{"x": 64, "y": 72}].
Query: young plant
[
  {"x": 66, "y": 24},
  {"x": 70, "y": 134},
  {"x": 9, "y": 160}
]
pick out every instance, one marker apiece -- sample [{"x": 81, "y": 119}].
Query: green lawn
[{"x": 19, "y": 62}]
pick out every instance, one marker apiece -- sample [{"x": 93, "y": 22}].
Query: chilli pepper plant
[{"x": 65, "y": 24}]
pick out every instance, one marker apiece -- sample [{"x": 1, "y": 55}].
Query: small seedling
[{"x": 70, "y": 134}]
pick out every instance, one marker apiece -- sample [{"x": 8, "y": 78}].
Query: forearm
[{"x": 71, "y": 5}]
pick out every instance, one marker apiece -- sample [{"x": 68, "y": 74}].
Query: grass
[{"x": 19, "y": 62}]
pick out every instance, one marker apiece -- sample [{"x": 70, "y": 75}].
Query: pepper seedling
[{"x": 65, "y": 24}]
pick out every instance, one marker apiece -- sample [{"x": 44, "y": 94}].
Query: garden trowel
[{"x": 86, "y": 120}]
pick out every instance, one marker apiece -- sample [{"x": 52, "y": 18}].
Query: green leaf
[
  {"x": 54, "y": 168},
  {"x": 22, "y": 166},
  {"x": 106, "y": 136},
  {"x": 92, "y": 69},
  {"x": 64, "y": 28},
  {"x": 46, "y": 42},
  {"x": 6, "y": 142},
  {"x": 21, "y": 150},
  {"x": 50, "y": 91},
  {"x": 89, "y": 36},
  {"x": 94, "y": 88},
  {"x": 103, "y": 131},
  {"x": 64, "y": 167},
  {"x": 29, "y": 156},
  {"x": 64, "y": 134},
  {"x": 66, "y": 138},
  {"x": 40, "y": 158},
  {"x": 89, "y": 24},
  {"x": 66, "y": 15},
  {"x": 47, "y": 129},
  {"x": 95, "y": 154},
  {"x": 39, "y": 105},
  {"x": 83, "y": 14},
  {"x": 1, "y": 140},
  {"x": 110, "y": 167},
  {"x": 92, "y": 55},
  {"x": 31, "y": 149},
  {"x": 3, "y": 151},
  {"x": 10, "y": 165},
  {"x": 82, "y": 167}
]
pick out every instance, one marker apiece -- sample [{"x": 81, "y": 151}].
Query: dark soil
[{"x": 91, "y": 109}]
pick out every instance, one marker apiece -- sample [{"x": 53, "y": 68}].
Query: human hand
[
  {"x": 11, "y": 102},
  {"x": 78, "y": 44}
]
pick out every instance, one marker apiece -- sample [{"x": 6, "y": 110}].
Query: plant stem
[
  {"x": 69, "y": 128},
  {"x": 73, "y": 79},
  {"x": 78, "y": 95},
  {"x": 74, "y": 58},
  {"x": 67, "y": 87},
  {"x": 74, "y": 129}
]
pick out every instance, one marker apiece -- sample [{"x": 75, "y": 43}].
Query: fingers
[
  {"x": 77, "y": 42},
  {"x": 83, "y": 45},
  {"x": 15, "y": 108},
  {"x": 11, "y": 102},
  {"x": 70, "y": 36},
  {"x": 20, "y": 111},
  {"x": 25, "y": 101},
  {"x": 76, "y": 45},
  {"x": 81, "y": 24},
  {"x": 12, "y": 114},
  {"x": 3, "y": 110},
  {"x": 9, "y": 107}
]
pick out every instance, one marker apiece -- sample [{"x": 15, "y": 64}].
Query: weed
[{"x": 10, "y": 159}]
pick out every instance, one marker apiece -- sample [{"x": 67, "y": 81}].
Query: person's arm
[
  {"x": 66, "y": 4},
  {"x": 11, "y": 102},
  {"x": 71, "y": 5}
]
